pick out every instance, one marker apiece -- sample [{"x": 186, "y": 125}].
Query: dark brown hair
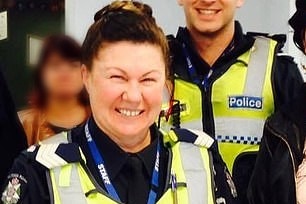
[
  {"x": 65, "y": 47},
  {"x": 298, "y": 23},
  {"x": 123, "y": 21}
]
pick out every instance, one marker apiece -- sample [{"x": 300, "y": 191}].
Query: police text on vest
[{"x": 250, "y": 102}]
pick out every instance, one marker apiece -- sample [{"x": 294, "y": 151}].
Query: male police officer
[{"x": 227, "y": 83}]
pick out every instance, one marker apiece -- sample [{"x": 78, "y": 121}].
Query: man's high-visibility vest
[
  {"x": 72, "y": 182},
  {"x": 242, "y": 99}
]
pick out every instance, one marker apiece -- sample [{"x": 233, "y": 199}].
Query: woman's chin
[{"x": 130, "y": 131}]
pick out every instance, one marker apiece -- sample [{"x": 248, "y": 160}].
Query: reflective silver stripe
[
  {"x": 239, "y": 130},
  {"x": 73, "y": 193},
  {"x": 56, "y": 139},
  {"x": 195, "y": 173},
  {"x": 195, "y": 124},
  {"x": 257, "y": 67}
]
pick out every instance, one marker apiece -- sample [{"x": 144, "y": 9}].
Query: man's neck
[{"x": 211, "y": 46}]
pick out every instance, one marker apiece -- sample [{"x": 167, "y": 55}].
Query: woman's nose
[{"x": 132, "y": 93}]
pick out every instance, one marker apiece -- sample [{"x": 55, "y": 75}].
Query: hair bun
[{"x": 120, "y": 7}]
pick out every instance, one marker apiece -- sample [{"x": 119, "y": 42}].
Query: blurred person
[
  {"x": 226, "y": 83},
  {"x": 280, "y": 172},
  {"x": 12, "y": 136},
  {"x": 119, "y": 155},
  {"x": 58, "y": 101}
]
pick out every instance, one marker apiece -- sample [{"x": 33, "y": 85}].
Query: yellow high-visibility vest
[
  {"x": 242, "y": 99},
  {"x": 72, "y": 182}
]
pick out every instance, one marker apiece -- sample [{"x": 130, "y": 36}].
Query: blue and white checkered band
[{"x": 238, "y": 139}]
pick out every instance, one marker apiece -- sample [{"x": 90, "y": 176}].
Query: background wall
[
  {"x": 79, "y": 15},
  {"x": 269, "y": 16},
  {"x": 27, "y": 17},
  {"x": 256, "y": 15}
]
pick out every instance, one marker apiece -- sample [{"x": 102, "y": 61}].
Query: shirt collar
[
  {"x": 115, "y": 158},
  {"x": 239, "y": 44},
  {"x": 184, "y": 36}
]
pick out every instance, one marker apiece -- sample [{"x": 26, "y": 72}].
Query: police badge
[{"x": 11, "y": 195}]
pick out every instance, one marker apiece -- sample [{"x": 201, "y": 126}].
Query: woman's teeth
[{"x": 129, "y": 113}]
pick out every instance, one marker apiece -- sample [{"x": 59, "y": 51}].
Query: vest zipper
[{"x": 207, "y": 109}]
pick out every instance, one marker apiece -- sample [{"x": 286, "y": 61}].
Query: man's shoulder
[
  {"x": 285, "y": 66},
  {"x": 285, "y": 59}
]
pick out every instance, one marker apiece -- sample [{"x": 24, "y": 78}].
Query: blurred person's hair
[
  {"x": 298, "y": 23},
  {"x": 123, "y": 21},
  {"x": 66, "y": 48}
]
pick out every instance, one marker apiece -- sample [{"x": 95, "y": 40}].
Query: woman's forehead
[{"x": 130, "y": 56}]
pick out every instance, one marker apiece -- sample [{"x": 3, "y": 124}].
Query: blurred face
[
  {"x": 125, "y": 88},
  {"x": 62, "y": 78},
  {"x": 209, "y": 16}
]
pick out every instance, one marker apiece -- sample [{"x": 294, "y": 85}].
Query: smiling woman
[
  {"x": 119, "y": 155},
  {"x": 137, "y": 76},
  {"x": 134, "y": 100}
]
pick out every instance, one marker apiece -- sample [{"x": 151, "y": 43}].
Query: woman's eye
[
  {"x": 148, "y": 80},
  {"x": 118, "y": 77}
]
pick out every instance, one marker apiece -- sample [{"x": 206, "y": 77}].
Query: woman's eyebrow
[
  {"x": 150, "y": 72},
  {"x": 116, "y": 68}
]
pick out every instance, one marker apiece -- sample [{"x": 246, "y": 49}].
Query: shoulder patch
[
  {"x": 11, "y": 194},
  {"x": 196, "y": 137}
]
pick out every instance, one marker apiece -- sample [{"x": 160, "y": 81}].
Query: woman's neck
[
  {"x": 128, "y": 143},
  {"x": 135, "y": 145},
  {"x": 66, "y": 112}
]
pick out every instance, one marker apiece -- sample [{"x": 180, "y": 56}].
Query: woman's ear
[
  {"x": 167, "y": 91},
  {"x": 85, "y": 76},
  {"x": 169, "y": 85}
]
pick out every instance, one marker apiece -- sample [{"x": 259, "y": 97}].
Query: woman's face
[
  {"x": 62, "y": 78},
  {"x": 125, "y": 87}
]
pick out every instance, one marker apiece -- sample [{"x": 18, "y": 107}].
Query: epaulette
[
  {"x": 280, "y": 38},
  {"x": 56, "y": 155},
  {"x": 196, "y": 137},
  {"x": 55, "y": 151}
]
